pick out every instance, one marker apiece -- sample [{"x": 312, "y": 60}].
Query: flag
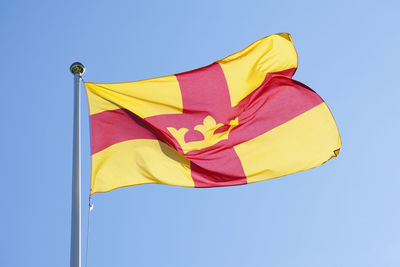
[{"x": 239, "y": 120}]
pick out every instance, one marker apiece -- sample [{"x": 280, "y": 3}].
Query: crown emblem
[{"x": 207, "y": 129}]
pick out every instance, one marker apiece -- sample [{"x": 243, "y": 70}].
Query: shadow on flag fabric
[{"x": 239, "y": 120}]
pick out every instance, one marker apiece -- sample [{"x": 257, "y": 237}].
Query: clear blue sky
[{"x": 344, "y": 213}]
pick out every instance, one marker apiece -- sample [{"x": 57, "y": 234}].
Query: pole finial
[{"x": 77, "y": 67}]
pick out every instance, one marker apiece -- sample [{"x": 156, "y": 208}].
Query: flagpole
[{"x": 75, "y": 257}]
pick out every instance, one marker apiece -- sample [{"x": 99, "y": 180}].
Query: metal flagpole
[{"x": 77, "y": 69}]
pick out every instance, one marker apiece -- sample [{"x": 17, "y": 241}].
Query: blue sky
[{"x": 344, "y": 213}]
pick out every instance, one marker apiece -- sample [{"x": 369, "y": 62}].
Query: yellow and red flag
[{"x": 239, "y": 120}]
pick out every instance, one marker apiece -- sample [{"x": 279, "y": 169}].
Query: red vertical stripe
[{"x": 205, "y": 92}]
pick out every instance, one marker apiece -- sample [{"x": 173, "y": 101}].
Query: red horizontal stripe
[
  {"x": 114, "y": 126},
  {"x": 278, "y": 100}
]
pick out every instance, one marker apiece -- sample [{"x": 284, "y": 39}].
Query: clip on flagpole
[{"x": 77, "y": 69}]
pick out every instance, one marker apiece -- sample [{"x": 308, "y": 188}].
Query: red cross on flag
[{"x": 239, "y": 120}]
